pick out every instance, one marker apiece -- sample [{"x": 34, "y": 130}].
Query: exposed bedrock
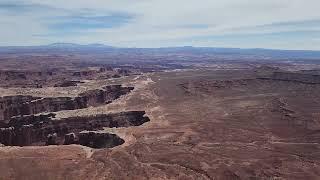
[
  {"x": 84, "y": 73},
  {"x": 31, "y": 79},
  {"x": 274, "y": 79},
  {"x": 26, "y": 105},
  {"x": 99, "y": 140},
  {"x": 302, "y": 77},
  {"x": 43, "y": 130},
  {"x": 67, "y": 83},
  {"x": 22, "y": 75}
]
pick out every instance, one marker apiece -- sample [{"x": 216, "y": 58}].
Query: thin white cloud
[{"x": 156, "y": 22}]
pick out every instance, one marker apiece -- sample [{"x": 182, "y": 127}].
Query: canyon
[
  {"x": 21, "y": 126},
  {"x": 179, "y": 115},
  {"x": 25, "y": 105},
  {"x": 42, "y": 130}
]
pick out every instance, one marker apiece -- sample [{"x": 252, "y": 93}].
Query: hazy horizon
[
  {"x": 268, "y": 24},
  {"x": 177, "y": 46}
]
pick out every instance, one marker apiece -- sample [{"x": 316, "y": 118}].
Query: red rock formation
[
  {"x": 99, "y": 140},
  {"x": 42, "y": 130},
  {"x": 84, "y": 73},
  {"x": 67, "y": 83},
  {"x": 52, "y": 139},
  {"x": 7, "y": 135},
  {"x": 70, "y": 138},
  {"x": 300, "y": 77},
  {"x": 25, "y": 105}
]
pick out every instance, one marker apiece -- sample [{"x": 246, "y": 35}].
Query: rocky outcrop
[
  {"x": 70, "y": 138},
  {"x": 31, "y": 79},
  {"x": 300, "y": 77},
  {"x": 43, "y": 130},
  {"x": 212, "y": 86},
  {"x": 58, "y": 77},
  {"x": 99, "y": 140},
  {"x": 52, "y": 139},
  {"x": 104, "y": 69},
  {"x": 124, "y": 72},
  {"x": 106, "y": 95},
  {"x": 14, "y": 105},
  {"x": 84, "y": 73},
  {"x": 7, "y": 135},
  {"x": 22, "y": 75},
  {"x": 67, "y": 83},
  {"x": 93, "y": 139},
  {"x": 26, "y": 105}
]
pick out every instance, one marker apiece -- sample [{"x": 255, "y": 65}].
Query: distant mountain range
[
  {"x": 187, "y": 50},
  {"x": 58, "y": 45},
  {"x": 73, "y": 45}
]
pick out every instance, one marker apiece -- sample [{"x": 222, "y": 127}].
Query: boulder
[
  {"x": 52, "y": 139},
  {"x": 70, "y": 138}
]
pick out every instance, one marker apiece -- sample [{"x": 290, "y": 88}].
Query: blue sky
[{"x": 277, "y": 24}]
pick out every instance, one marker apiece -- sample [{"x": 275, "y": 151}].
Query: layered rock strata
[
  {"x": 26, "y": 105},
  {"x": 43, "y": 130}
]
